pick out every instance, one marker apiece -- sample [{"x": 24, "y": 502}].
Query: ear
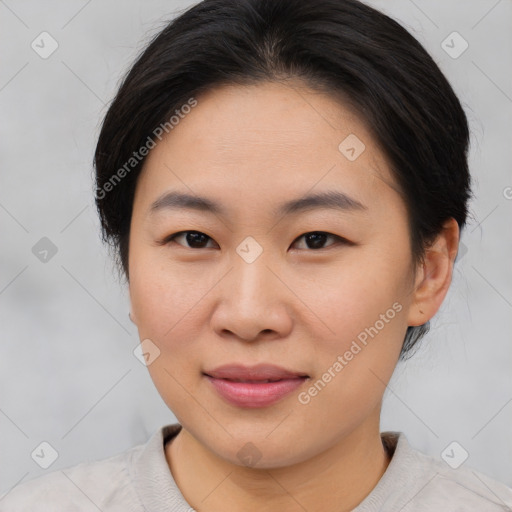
[{"x": 433, "y": 278}]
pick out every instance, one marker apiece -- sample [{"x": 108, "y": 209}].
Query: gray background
[{"x": 68, "y": 375}]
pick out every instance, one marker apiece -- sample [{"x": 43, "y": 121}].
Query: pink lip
[{"x": 254, "y": 392}]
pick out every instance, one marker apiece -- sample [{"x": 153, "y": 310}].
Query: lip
[
  {"x": 248, "y": 386},
  {"x": 256, "y": 373}
]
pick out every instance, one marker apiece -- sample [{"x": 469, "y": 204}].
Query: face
[{"x": 323, "y": 291}]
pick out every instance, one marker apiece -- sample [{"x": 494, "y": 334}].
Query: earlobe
[{"x": 434, "y": 277}]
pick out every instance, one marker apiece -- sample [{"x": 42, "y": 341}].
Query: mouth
[
  {"x": 256, "y": 386},
  {"x": 257, "y": 373},
  {"x": 253, "y": 381}
]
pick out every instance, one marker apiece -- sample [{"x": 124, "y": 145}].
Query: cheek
[
  {"x": 362, "y": 292},
  {"x": 170, "y": 302},
  {"x": 167, "y": 305},
  {"x": 355, "y": 358}
]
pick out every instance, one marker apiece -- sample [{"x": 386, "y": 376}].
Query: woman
[{"x": 284, "y": 183}]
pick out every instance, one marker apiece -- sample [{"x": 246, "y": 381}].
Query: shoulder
[
  {"x": 95, "y": 485},
  {"x": 455, "y": 489}
]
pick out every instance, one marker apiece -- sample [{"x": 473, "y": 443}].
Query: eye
[
  {"x": 316, "y": 239},
  {"x": 195, "y": 239}
]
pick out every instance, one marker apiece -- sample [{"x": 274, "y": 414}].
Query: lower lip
[{"x": 255, "y": 394}]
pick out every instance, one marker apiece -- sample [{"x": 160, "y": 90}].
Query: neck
[{"x": 337, "y": 479}]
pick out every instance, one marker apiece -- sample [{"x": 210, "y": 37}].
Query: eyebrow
[{"x": 320, "y": 200}]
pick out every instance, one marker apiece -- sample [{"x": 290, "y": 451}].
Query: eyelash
[{"x": 171, "y": 238}]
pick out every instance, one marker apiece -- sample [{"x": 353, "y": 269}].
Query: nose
[{"x": 252, "y": 303}]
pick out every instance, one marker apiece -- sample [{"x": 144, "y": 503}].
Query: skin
[{"x": 252, "y": 148}]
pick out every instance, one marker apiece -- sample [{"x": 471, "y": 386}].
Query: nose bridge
[{"x": 251, "y": 278}]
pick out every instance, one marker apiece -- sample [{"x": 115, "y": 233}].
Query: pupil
[
  {"x": 192, "y": 239},
  {"x": 318, "y": 240}
]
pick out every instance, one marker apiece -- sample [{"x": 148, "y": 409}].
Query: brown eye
[
  {"x": 316, "y": 239},
  {"x": 194, "y": 239}
]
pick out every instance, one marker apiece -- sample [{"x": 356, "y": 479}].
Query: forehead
[{"x": 270, "y": 140}]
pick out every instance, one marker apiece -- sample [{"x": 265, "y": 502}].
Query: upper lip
[{"x": 257, "y": 372}]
